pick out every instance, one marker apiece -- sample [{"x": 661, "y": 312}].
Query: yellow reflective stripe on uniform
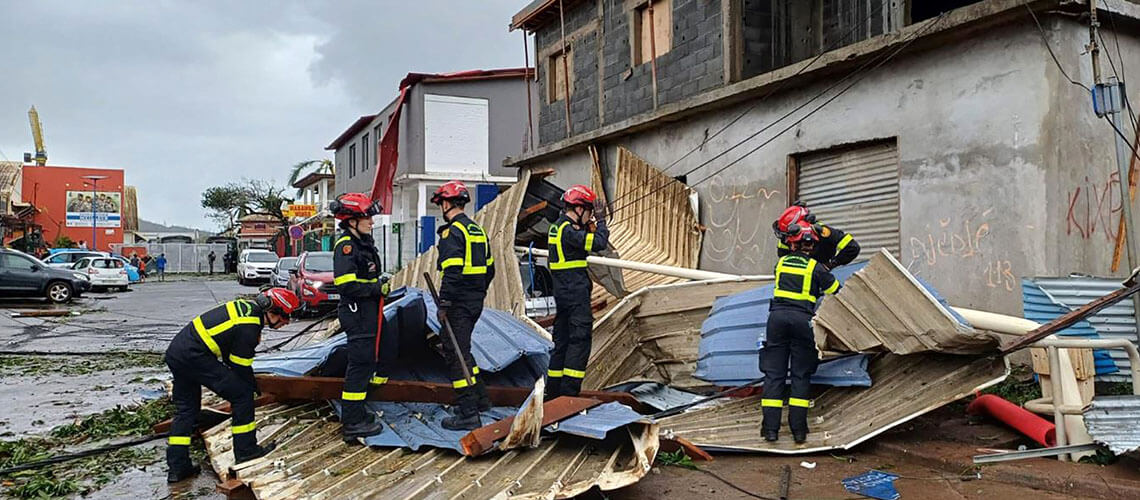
[
  {"x": 206, "y": 337},
  {"x": 802, "y": 403},
  {"x": 562, "y": 263},
  {"x": 782, "y": 246},
  {"x": 240, "y": 361},
  {"x": 242, "y": 429},
  {"x": 378, "y": 380},
  {"x": 461, "y": 383},
  {"x": 570, "y": 372},
  {"x": 343, "y": 239},
  {"x": 831, "y": 289},
  {"x": 178, "y": 440},
  {"x": 772, "y": 403},
  {"x": 844, "y": 242},
  {"x": 554, "y": 373},
  {"x": 589, "y": 242},
  {"x": 805, "y": 289},
  {"x": 353, "y": 396},
  {"x": 469, "y": 240},
  {"x": 475, "y": 370},
  {"x": 345, "y": 278}
]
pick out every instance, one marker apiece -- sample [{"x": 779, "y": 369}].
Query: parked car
[
  {"x": 255, "y": 265},
  {"x": 281, "y": 271},
  {"x": 312, "y": 281},
  {"x": 22, "y": 275},
  {"x": 63, "y": 258},
  {"x": 105, "y": 272}
]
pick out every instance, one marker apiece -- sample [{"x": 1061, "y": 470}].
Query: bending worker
[
  {"x": 357, "y": 276},
  {"x": 216, "y": 350},
  {"x": 800, "y": 281},
  {"x": 574, "y": 235},
  {"x": 468, "y": 268},
  {"x": 835, "y": 248}
]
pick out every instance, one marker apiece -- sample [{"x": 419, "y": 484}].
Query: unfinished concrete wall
[
  {"x": 582, "y": 23},
  {"x": 992, "y": 145}
]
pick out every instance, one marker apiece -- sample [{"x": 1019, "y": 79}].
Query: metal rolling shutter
[{"x": 855, "y": 189}]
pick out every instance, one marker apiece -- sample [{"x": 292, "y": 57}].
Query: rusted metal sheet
[
  {"x": 842, "y": 417},
  {"x": 653, "y": 221},
  {"x": 311, "y": 461},
  {"x": 654, "y": 334},
  {"x": 326, "y": 388},
  {"x": 483, "y": 439},
  {"x": 526, "y": 429},
  {"x": 882, "y": 307}
]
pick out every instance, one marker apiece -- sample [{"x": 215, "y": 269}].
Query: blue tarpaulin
[{"x": 873, "y": 484}]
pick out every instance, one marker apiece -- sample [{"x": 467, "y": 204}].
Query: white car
[
  {"x": 66, "y": 259},
  {"x": 255, "y": 265},
  {"x": 105, "y": 272}
]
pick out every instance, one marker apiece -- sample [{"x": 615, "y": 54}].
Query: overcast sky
[{"x": 186, "y": 95}]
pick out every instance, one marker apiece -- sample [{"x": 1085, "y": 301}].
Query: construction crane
[{"x": 38, "y": 136}]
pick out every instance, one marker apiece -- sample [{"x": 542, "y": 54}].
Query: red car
[{"x": 312, "y": 281}]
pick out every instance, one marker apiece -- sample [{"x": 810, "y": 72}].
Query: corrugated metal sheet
[
  {"x": 653, "y": 221},
  {"x": 730, "y": 338},
  {"x": 311, "y": 461},
  {"x": 855, "y": 189},
  {"x": 1112, "y": 421},
  {"x": 882, "y": 307},
  {"x": 1039, "y": 306},
  {"x": 598, "y": 421},
  {"x": 416, "y": 425},
  {"x": 1115, "y": 321},
  {"x": 656, "y": 394}
]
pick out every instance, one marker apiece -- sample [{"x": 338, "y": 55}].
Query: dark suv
[{"x": 22, "y": 275}]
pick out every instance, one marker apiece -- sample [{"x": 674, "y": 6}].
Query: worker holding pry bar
[{"x": 467, "y": 266}]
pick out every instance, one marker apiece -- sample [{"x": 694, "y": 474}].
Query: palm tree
[{"x": 322, "y": 166}]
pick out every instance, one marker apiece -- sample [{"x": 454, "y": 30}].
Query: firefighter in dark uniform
[
  {"x": 216, "y": 350},
  {"x": 573, "y": 236},
  {"x": 800, "y": 281},
  {"x": 835, "y": 247},
  {"x": 468, "y": 267},
  {"x": 361, "y": 285}
]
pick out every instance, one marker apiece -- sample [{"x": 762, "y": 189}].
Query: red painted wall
[{"x": 47, "y": 187}]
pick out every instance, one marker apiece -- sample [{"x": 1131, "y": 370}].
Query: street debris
[
  {"x": 873, "y": 484},
  {"x": 1036, "y": 428},
  {"x": 807, "y": 465}
]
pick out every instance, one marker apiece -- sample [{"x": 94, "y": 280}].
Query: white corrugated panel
[
  {"x": 857, "y": 190},
  {"x": 1115, "y": 321}
]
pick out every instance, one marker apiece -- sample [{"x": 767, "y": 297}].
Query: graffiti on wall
[
  {"x": 962, "y": 243},
  {"x": 737, "y": 235},
  {"x": 1094, "y": 208}
]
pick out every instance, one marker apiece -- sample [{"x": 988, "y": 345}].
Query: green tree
[
  {"x": 322, "y": 166},
  {"x": 230, "y": 202}
]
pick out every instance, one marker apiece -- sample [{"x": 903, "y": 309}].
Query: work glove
[
  {"x": 385, "y": 287},
  {"x": 441, "y": 311}
]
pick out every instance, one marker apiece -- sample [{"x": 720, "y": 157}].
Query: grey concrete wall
[
  {"x": 604, "y": 76},
  {"x": 994, "y": 148}
]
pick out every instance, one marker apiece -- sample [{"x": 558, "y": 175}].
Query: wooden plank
[{"x": 483, "y": 439}]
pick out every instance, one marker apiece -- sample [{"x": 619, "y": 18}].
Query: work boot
[
  {"x": 462, "y": 422},
  {"x": 800, "y": 437},
  {"x": 771, "y": 436},
  {"x": 484, "y": 401},
  {"x": 352, "y": 432},
  {"x": 176, "y": 475},
  {"x": 254, "y": 453}
]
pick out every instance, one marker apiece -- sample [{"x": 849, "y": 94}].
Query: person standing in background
[
  {"x": 160, "y": 265},
  {"x": 211, "y": 258}
]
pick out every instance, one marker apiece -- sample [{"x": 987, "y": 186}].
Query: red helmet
[
  {"x": 280, "y": 301},
  {"x": 791, "y": 217},
  {"x": 802, "y": 232},
  {"x": 454, "y": 191},
  {"x": 579, "y": 195},
  {"x": 354, "y": 206}
]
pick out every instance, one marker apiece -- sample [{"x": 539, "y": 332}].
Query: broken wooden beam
[
  {"x": 235, "y": 489},
  {"x": 533, "y": 209},
  {"x": 41, "y": 313},
  {"x": 1068, "y": 319},
  {"x": 483, "y": 439},
  {"x": 326, "y": 388}
]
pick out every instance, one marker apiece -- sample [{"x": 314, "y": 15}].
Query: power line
[
  {"x": 1121, "y": 75},
  {"x": 1045, "y": 40}
]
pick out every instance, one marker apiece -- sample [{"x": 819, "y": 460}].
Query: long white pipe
[
  {"x": 678, "y": 272},
  {"x": 1000, "y": 323}
]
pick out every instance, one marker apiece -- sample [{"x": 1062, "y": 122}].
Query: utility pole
[{"x": 1108, "y": 102}]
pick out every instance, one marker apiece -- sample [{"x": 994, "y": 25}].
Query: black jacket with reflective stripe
[
  {"x": 356, "y": 270},
  {"x": 465, "y": 260},
  {"x": 800, "y": 281},
  {"x": 568, "y": 246},
  {"x": 835, "y": 248},
  {"x": 230, "y": 332}
]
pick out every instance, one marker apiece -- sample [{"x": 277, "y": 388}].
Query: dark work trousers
[
  {"x": 192, "y": 371},
  {"x": 789, "y": 338},
  {"x": 573, "y": 322},
  {"x": 462, "y": 317},
  {"x": 363, "y": 365}
]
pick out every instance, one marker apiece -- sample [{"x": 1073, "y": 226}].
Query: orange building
[{"x": 84, "y": 204}]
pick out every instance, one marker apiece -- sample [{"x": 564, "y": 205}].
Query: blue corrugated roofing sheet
[
  {"x": 599, "y": 420},
  {"x": 729, "y": 352},
  {"x": 1039, "y": 306},
  {"x": 656, "y": 394},
  {"x": 415, "y": 425}
]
